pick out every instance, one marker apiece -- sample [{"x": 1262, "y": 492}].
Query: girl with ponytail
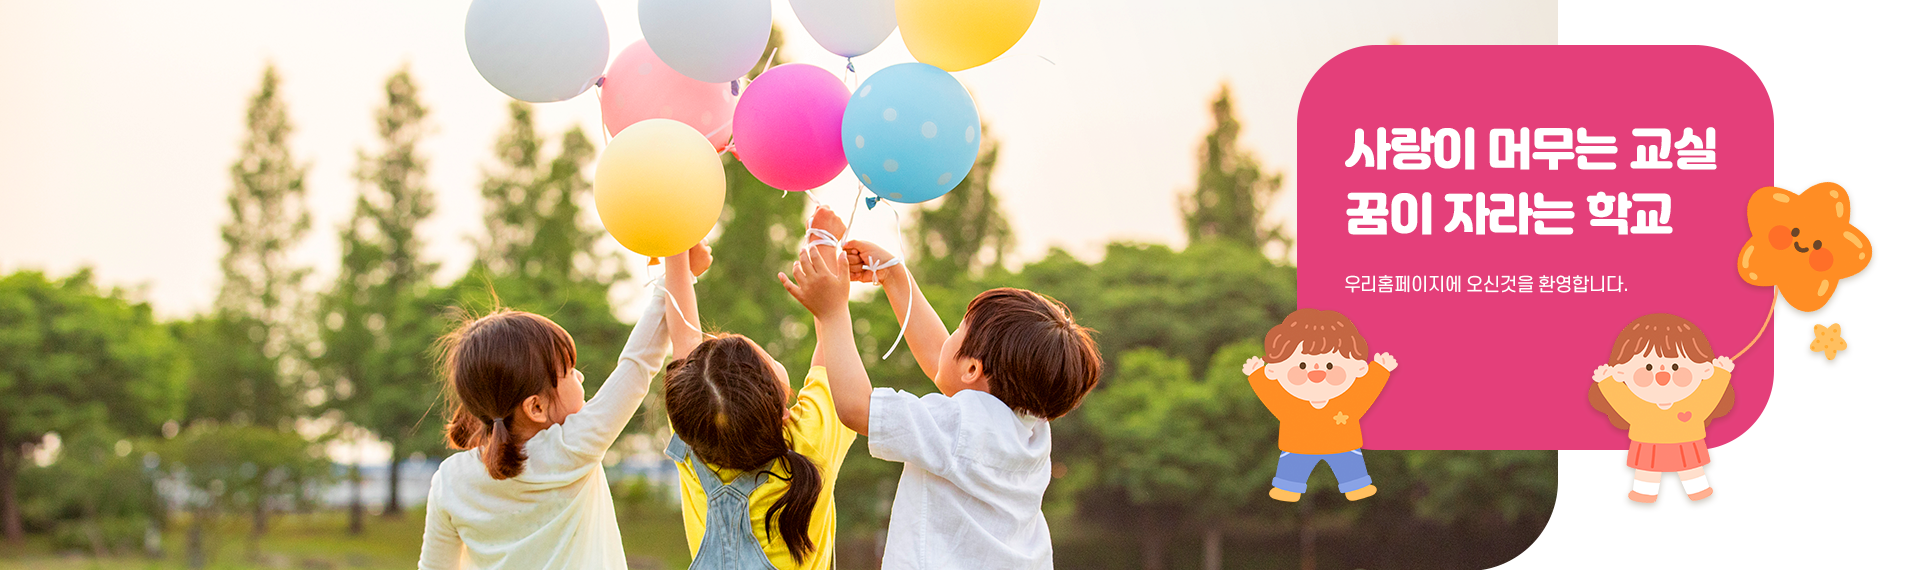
[
  {"x": 527, "y": 490},
  {"x": 756, "y": 474}
]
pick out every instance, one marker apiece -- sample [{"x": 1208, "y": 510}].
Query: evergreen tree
[
  {"x": 260, "y": 292},
  {"x": 1231, "y": 198},
  {"x": 377, "y": 323}
]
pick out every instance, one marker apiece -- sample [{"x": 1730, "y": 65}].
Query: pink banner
[{"x": 1494, "y": 215}]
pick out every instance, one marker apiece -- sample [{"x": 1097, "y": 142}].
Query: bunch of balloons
[{"x": 673, "y": 102}]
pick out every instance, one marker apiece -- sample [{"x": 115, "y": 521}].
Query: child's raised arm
[
  {"x": 820, "y": 284},
  {"x": 685, "y": 314},
  {"x": 925, "y": 332}
]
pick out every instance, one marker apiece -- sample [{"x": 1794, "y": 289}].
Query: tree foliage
[
  {"x": 377, "y": 324},
  {"x": 1231, "y": 199},
  {"x": 261, "y": 290},
  {"x": 75, "y": 359}
]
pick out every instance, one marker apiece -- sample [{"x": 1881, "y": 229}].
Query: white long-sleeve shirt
[
  {"x": 558, "y": 513},
  {"x": 970, "y": 491}
]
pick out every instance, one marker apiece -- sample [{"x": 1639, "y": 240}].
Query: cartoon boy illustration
[
  {"x": 1663, "y": 383},
  {"x": 1315, "y": 378}
]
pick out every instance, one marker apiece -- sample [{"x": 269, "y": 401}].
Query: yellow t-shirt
[
  {"x": 1685, "y": 421},
  {"x": 814, "y": 430}
]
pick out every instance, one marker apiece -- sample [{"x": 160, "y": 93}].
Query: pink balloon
[
  {"x": 786, "y": 129},
  {"x": 639, "y": 87}
]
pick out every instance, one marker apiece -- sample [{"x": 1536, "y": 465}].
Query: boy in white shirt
[{"x": 977, "y": 455}]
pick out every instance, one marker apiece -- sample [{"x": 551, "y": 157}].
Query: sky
[{"x": 119, "y": 119}]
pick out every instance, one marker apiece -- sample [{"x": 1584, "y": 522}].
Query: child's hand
[
  {"x": 1386, "y": 361},
  {"x": 695, "y": 260},
  {"x": 699, "y": 258},
  {"x": 819, "y": 282},
  {"x": 1724, "y": 363},
  {"x": 1251, "y": 365},
  {"x": 824, "y": 219},
  {"x": 1602, "y": 373},
  {"x": 862, "y": 254}
]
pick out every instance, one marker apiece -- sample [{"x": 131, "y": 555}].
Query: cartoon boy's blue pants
[{"x": 1349, "y": 468}]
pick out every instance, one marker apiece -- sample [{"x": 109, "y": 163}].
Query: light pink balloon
[
  {"x": 639, "y": 87},
  {"x": 786, "y": 129}
]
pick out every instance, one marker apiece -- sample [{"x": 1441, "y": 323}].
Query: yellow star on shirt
[{"x": 1340, "y": 418}]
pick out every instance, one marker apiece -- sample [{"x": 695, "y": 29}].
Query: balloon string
[
  {"x": 898, "y": 258},
  {"x": 853, "y": 211},
  {"x": 1773, "y": 317},
  {"x": 606, "y": 138},
  {"x": 673, "y": 301},
  {"x": 818, "y": 237}
]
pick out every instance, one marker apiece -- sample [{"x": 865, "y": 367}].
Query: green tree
[
  {"x": 96, "y": 495},
  {"x": 260, "y": 292},
  {"x": 1186, "y": 303},
  {"x": 249, "y": 357},
  {"x": 1492, "y": 490},
  {"x": 377, "y": 323},
  {"x": 1231, "y": 198},
  {"x": 1182, "y": 308},
  {"x": 1175, "y": 450},
  {"x": 76, "y": 360},
  {"x": 964, "y": 232}
]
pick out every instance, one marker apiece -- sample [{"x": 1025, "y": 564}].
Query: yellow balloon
[
  {"x": 659, "y": 187},
  {"x": 962, "y": 34}
]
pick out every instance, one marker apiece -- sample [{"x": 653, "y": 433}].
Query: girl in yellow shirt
[{"x": 756, "y": 475}]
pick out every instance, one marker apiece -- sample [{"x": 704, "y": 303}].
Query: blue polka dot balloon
[{"x": 910, "y": 133}]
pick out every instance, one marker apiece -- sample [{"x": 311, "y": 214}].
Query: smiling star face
[{"x": 1804, "y": 243}]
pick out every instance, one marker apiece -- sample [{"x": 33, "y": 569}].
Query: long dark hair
[
  {"x": 725, "y": 401},
  {"x": 491, "y": 364}
]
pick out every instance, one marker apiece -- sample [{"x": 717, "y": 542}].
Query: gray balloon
[
  {"x": 538, "y": 51},
  {"x": 715, "y": 41}
]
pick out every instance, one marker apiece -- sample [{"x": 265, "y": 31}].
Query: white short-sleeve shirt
[{"x": 975, "y": 471}]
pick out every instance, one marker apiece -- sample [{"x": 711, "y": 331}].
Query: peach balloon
[{"x": 639, "y": 87}]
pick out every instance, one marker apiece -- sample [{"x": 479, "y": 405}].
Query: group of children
[{"x": 757, "y": 462}]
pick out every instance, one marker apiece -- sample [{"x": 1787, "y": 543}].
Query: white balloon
[
  {"x": 538, "y": 50},
  {"x": 715, "y": 41},
  {"x": 848, "y": 28}
]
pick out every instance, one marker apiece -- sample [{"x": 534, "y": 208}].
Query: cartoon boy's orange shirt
[{"x": 1332, "y": 429}]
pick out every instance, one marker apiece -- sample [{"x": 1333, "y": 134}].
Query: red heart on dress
[{"x": 1684, "y": 416}]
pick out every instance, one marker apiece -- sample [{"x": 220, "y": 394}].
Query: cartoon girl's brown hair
[
  {"x": 725, "y": 401},
  {"x": 1312, "y": 331},
  {"x": 1668, "y": 336},
  {"x": 491, "y": 365}
]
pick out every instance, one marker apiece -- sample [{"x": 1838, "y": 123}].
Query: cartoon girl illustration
[{"x": 1663, "y": 384}]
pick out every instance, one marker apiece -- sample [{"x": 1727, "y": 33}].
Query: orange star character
[{"x": 1803, "y": 243}]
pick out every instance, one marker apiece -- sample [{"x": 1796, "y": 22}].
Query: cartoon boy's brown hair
[
  {"x": 1036, "y": 358},
  {"x": 1313, "y": 331},
  {"x": 1669, "y": 336}
]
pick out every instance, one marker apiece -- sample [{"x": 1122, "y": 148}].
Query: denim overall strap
[{"x": 729, "y": 543}]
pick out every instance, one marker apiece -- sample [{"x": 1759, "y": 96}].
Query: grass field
[{"x": 319, "y": 541}]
